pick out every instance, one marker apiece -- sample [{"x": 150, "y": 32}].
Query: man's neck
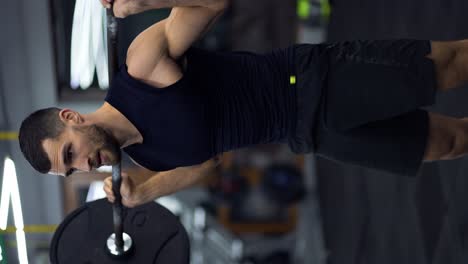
[{"x": 115, "y": 123}]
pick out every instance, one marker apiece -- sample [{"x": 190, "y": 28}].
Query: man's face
[{"x": 81, "y": 148}]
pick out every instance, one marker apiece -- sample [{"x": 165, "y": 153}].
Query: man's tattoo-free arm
[
  {"x": 168, "y": 182},
  {"x": 181, "y": 3}
]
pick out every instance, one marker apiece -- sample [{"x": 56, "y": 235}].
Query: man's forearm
[
  {"x": 168, "y": 182},
  {"x": 155, "y": 4},
  {"x": 124, "y": 8}
]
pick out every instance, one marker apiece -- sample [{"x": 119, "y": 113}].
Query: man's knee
[
  {"x": 450, "y": 60},
  {"x": 448, "y": 138},
  {"x": 460, "y": 142}
]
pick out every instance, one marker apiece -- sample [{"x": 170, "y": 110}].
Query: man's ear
[{"x": 71, "y": 117}]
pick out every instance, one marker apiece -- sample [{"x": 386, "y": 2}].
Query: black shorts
[{"x": 370, "y": 108}]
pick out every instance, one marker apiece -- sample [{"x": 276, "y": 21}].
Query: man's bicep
[
  {"x": 147, "y": 49},
  {"x": 148, "y": 59}
]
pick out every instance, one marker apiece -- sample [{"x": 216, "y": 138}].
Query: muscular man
[{"x": 173, "y": 108}]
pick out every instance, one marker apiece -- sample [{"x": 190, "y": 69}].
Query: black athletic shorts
[{"x": 369, "y": 113}]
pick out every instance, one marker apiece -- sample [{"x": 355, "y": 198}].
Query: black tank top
[{"x": 224, "y": 101}]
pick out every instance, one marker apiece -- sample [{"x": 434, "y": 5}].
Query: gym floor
[{"x": 371, "y": 217}]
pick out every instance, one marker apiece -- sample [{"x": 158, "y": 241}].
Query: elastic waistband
[{"x": 310, "y": 71}]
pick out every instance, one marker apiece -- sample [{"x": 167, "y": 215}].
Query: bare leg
[
  {"x": 451, "y": 63},
  {"x": 448, "y": 138}
]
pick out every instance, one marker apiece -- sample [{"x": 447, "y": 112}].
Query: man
[{"x": 173, "y": 108}]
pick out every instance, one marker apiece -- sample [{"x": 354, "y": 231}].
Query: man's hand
[
  {"x": 124, "y": 8},
  {"x": 160, "y": 183},
  {"x": 131, "y": 194}
]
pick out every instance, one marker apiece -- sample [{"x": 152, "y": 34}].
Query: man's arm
[
  {"x": 160, "y": 184},
  {"x": 151, "y": 56}
]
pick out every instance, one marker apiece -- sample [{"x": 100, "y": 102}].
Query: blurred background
[{"x": 263, "y": 205}]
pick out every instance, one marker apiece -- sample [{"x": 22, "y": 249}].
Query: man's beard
[{"x": 103, "y": 140}]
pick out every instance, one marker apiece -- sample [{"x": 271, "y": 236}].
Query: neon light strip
[
  {"x": 7, "y": 135},
  {"x": 4, "y": 201},
  {"x": 33, "y": 229},
  {"x": 10, "y": 189}
]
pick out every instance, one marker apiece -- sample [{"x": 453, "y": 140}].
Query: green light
[
  {"x": 303, "y": 9},
  {"x": 292, "y": 79}
]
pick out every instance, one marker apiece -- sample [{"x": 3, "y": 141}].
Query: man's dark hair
[{"x": 38, "y": 126}]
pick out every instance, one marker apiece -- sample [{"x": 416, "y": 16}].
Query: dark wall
[{"x": 373, "y": 217}]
